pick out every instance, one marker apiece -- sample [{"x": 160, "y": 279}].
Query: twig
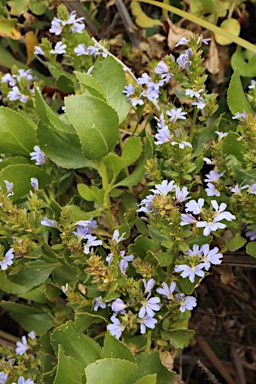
[
  {"x": 239, "y": 366},
  {"x": 209, "y": 374},
  {"x": 129, "y": 26},
  {"x": 215, "y": 360}
]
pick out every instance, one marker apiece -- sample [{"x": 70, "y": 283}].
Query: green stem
[
  {"x": 193, "y": 125},
  {"x": 149, "y": 342},
  {"x": 203, "y": 23},
  {"x": 126, "y": 168},
  {"x": 106, "y": 201}
]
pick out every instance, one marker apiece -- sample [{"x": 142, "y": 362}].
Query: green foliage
[{"x": 236, "y": 99}]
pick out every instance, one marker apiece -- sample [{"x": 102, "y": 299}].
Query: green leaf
[
  {"x": 148, "y": 379},
  {"x": 8, "y": 286},
  {"x": 111, "y": 77},
  {"x": 18, "y": 6},
  {"x": 77, "y": 214},
  {"x": 49, "y": 117},
  {"x": 20, "y": 175},
  {"x": 137, "y": 175},
  {"x": 237, "y": 242},
  {"x": 241, "y": 175},
  {"x": 233, "y": 145},
  {"x": 91, "y": 84},
  {"x": 164, "y": 258},
  {"x": 142, "y": 245},
  {"x": 77, "y": 345},
  {"x": 29, "y": 317},
  {"x": 37, "y": 7},
  {"x": 91, "y": 194},
  {"x": 179, "y": 338},
  {"x": 202, "y": 7},
  {"x": 244, "y": 61},
  {"x": 230, "y": 25},
  {"x": 132, "y": 150},
  {"x": 14, "y": 160},
  {"x": 96, "y": 124},
  {"x": 17, "y": 136},
  {"x": 114, "y": 162},
  {"x": 237, "y": 101},
  {"x": 69, "y": 370},
  {"x": 84, "y": 318},
  {"x": 150, "y": 363},
  {"x": 251, "y": 248},
  {"x": 63, "y": 149},
  {"x": 111, "y": 371},
  {"x": 113, "y": 348}
]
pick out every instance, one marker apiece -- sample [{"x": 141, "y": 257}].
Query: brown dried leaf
[
  {"x": 212, "y": 63},
  {"x": 175, "y": 33},
  {"x": 167, "y": 360},
  {"x": 30, "y": 41},
  {"x": 226, "y": 274}
]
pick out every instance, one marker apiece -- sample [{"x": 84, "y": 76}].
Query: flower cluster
[{"x": 21, "y": 84}]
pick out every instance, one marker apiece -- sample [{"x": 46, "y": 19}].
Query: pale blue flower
[
  {"x": 56, "y": 26},
  {"x": 210, "y": 226},
  {"x": 98, "y": 303},
  {"x": 37, "y": 155},
  {"x": 182, "y": 41},
  {"x": 9, "y": 188},
  {"x": 252, "y": 189},
  {"x": 211, "y": 190},
  {"x": 32, "y": 335},
  {"x": 200, "y": 103},
  {"x": 124, "y": 262},
  {"x": 237, "y": 189},
  {"x": 22, "y": 346},
  {"x": 176, "y": 114},
  {"x": 146, "y": 204},
  {"x": 187, "y": 219},
  {"x": 149, "y": 306},
  {"x": 187, "y": 302},
  {"x": 24, "y": 74},
  {"x": 161, "y": 68},
  {"x": 148, "y": 285},
  {"x": 239, "y": 115},
  {"x": 59, "y": 49},
  {"x": 182, "y": 145},
  {"x": 192, "y": 93},
  {"x": 118, "y": 306},
  {"x": 116, "y": 237},
  {"x": 128, "y": 90},
  {"x": 162, "y": 136},
  {"x": 190, "y": 271},
  {"x": 204, "y": 41},
  {"x": 167, "y": 291},
  {"x": 251, "y": 234},
  {"x": 194, "y": 206},
  {"x": 15, "y": 94},
  {"x": 252, "y": 85},
  {"x": 91, "y": 242},
  {"x": 152, "y": 92},
  {"x": 145, "y": 79},
  {"x": 38, "y": 50},
  {"x": 210, "y": 256},
  {"x": 213, "y": 176},
  {"x": 164, "y": 188},
  {"x": 221, "y": 214},
  {"x": 8, "y": 78},
  {"x": 21, "y": 380},
  {"x": 136, "y": 101},
  {"x": 3, "y": 378},
  {"x": 84, "y": 228},
  {"x": 183, "y": 61},
  {"x": 49, "y": 223},
  {"x": 34, "y": 183},
  {"x": 80, "y": 50},
  {"x": 221, "y": 135},
  {"x": 146, "y": 321},
  {"x": 8, "y": 259},
  {"x": 116, "y": 329},
  {"x": 181, "y": 194}
]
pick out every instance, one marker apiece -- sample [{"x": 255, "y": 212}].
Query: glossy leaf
[
  {"x": 96, "y": 124},
  {"x": 77, "y": 345},
  {"x": 92, "y": 84},
  {"x": 237, "y": 242},
  {"x": 111, "y": 77},
  {"x": 13, "y": 139},
  {"x": 148, "y": 379},
  {"x": 244, "y": 61},
  {"x": 237, "y": 101},
  {"x": 114, "y": 348},
  {"x": 62, "y": 148},
  {"x": 29, "y": 317},
  {"x": 179, "y": 338},
  {"x": 251, "y": 248},
  {"x": 230, "y": 25},
  {"x": 69, "y": 370},
  {"x": 20, "y": 175},
  {"x": 111, "y": 371},
  {"x": 150, "y": 363}
]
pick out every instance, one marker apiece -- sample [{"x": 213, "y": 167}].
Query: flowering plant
[{"x": 114, "y": 206}]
